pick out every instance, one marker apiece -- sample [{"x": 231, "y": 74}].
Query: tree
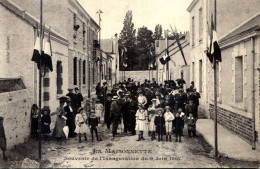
[
  {"x": 157, "y": 32},
  {"x": 127, "y": 43},
  {"x": 145, "y": 48}
]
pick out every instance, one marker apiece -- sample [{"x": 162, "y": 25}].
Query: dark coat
[
  {"x": 2, "y": 137},
  {"x": 93, "y": 122},
  {"x": 70, "y": 120},
  {"x": 107, "y": 117},
  {"x": 114, "y": 110},
  {"x": 79, "y": 99},
  {"x": 178, "y": 123},
  {"x": 46, "y": 128},
  {"x": 160, "y": 124},
  {"x": 73, "y": 100}
]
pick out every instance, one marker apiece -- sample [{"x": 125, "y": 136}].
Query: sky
[{"x": 145, "y": 13}]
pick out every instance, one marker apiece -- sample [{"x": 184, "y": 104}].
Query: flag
[
  {"x": 164, "y": 59},
  {"x": 214, "y": 49},
  {"x": 47, "y": 61},
  {"x": 36, "y": 51}
]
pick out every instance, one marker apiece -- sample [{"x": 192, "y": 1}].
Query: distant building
[
  {"x": 110, "y": 46},
  {"x": 237, "y": 27}
]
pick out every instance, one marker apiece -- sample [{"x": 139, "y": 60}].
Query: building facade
[
  {"x": 235, "y": 77},
  {"x": 75, "y": 64}
]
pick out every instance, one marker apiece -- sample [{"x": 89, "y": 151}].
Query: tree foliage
[
  {"x": 136, "y": 52},
  {"x": 127, "y": 41},
  {"x": 158, "y": 32}
]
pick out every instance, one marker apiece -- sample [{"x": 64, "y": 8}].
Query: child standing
[
  {"x": 168, "y": 116},
  {"x": 46, "y": 121},
  {"x": 81, "y": 127},
  {"x": 160, "y": 124},
  {"x": 2, "y": 138},
  {"x": 99, "y": 109},
  {"x": 152, "y": 125},
  {"x": 93, "y": 123},
  {"x": 182, "y": 115},
  {"x": 141, "y": 119},
  {"x": 191, "y": 125},
  {"x": 178, "y": 124}
]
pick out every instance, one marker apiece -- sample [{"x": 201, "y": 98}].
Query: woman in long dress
[{"x": 60, "y": 122}]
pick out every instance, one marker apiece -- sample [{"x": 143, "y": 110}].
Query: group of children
[{"x": 156, "y": 121}]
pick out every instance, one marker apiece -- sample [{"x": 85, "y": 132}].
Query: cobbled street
[{"x": 191, "y": 152}]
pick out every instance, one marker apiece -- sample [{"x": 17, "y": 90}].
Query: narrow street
[{"x": 191, "y": 152}]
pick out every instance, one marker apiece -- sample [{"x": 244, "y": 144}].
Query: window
[
  {"x": 193, "y": 31},
  {"x": 93, "y": 73},
  {"x": 239, "y": 79},
  {"x": 80, "y": 72},
  {"x": 84, "y": 32},
  {"x": 75, "y": 71},
  {"x": 9, "y": 85},
  {"x": 200, "y": 76},
  {"x": 74, "y": 20},
  {"x": 193, "y": 71},
  {"x": 84, "y": 72},
  {"x": 110, "y": 73},
  {"x": 59, "y": 77},
  {"x": 200, "y": 24}
]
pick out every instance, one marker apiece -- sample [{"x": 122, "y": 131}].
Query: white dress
[
  {"x": 141, "y": 116},
  {"x": 80, "y": 122},
  {"x": 151, "y": 123},
  {"x": 99, "y": 109},
  {"x": 169, "y": 117}
]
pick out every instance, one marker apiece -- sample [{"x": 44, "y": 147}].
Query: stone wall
[
  {"x": 15, "y": 107},
  {"x": 138, "y": 76},
  {"x": 236, "y": 123}
]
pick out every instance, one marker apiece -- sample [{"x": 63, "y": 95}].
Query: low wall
[
  {"x": 240, "y": 125},
  {"x": 15, "y": 107},
  {"x": 139, "y": 76}
]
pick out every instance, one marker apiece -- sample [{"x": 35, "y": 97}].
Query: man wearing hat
[
  {"x": 2, "y": 138},
  {"x": 126, "y": 112},
  {"x": 115, "y": 114},
  {"x": 69, "y": 114},
  {"x": 79, "y": 98},
  {"x": 72, "y": 98}
]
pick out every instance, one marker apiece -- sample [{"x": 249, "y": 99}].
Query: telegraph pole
[
  {"x": 99, "y": 12},
  {"x": 215, "y": 87},
  {"x": 40, "y": 84}
]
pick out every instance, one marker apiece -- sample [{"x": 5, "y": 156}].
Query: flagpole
[
  {"x": 215, "y": 87},
  {"x": 40, "y": 84}
]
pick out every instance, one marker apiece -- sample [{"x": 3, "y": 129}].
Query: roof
[
  {"x": 192, "y": 5},
  {"x": 251, "y": 25}
]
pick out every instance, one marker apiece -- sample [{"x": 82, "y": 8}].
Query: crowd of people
[
  {"x": 156, "y": 109},
  {"x": 159, "y": 110}
]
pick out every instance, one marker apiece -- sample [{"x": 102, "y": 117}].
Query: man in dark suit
[
  {"x": 72, "y": 97},
  {"x": 79, "y": 98}
]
